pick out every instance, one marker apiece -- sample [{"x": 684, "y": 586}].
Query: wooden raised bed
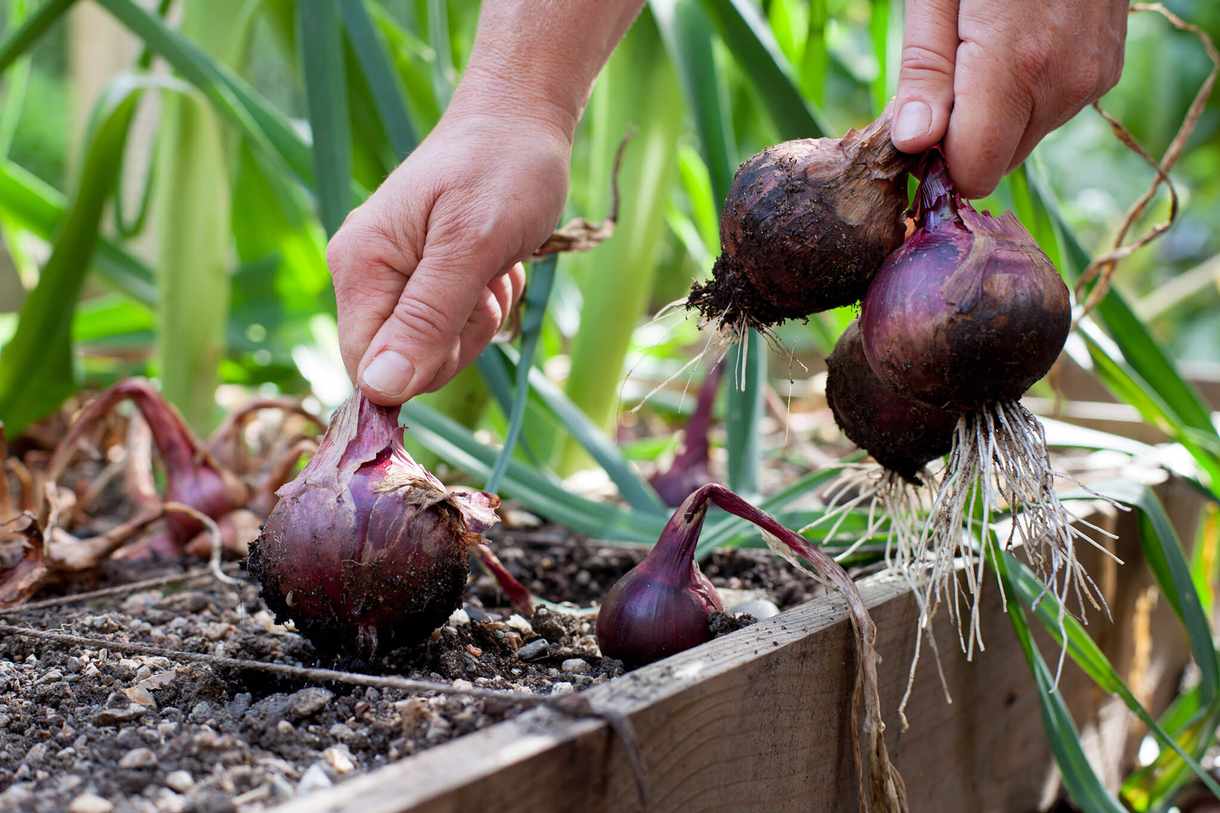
[{"x": 758, "y": 720}]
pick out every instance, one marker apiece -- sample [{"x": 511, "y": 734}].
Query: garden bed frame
[{"x": 759, "y": 719}]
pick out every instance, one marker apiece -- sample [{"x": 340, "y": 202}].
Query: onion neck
[
  {"x": 936, "y": 200},
  {"x": 673, "y": 557}
]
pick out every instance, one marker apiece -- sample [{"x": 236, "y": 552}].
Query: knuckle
[
  {"x": 920, "y": 63},
  {"x": 421, "y": 320},
  {"x": 1031, "y": 64}
]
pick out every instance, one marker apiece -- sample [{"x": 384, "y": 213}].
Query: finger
[
  {"x": 420, "y": 337},
  {"x": 925, "y": 78},
  {"x": 991, "y": 110},
  {"x": 516, "y": 281},
  {"x": 484, "y": 323}
]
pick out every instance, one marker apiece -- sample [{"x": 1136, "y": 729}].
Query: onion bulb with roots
[
  {"x": 966, "y": 316},
  {"x": 806, "y": 225},
  {"x": 664, "y": 604},
  {"x": 366, "y": 550}
]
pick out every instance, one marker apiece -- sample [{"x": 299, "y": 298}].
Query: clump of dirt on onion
[
  {"x": 965, "y": 317},
  {"x": 806, "y": 225},
  {"x": 366, "y": 549}
]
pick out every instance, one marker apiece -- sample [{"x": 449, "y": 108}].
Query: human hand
[
  {"x": 426, "y": 270},
  {"x": 990, "y": 78}
]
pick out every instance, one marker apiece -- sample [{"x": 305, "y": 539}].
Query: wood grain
[{"x": 756, "y": 720}]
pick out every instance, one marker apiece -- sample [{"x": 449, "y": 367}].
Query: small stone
[
  {"x": 285, "y": 728},
  {"x": 438, "y": 729},
  {"x": 575, "y": 666},
  {"x": 562, "y": 687},
  {"x": 314, "y": 779},
  {"x": 158, "y": 680},
  {"x": 180, "y": 781},
  {"x": 760, "y": 608},
  {"x": 141, "y": 697},
  {"x": 339, "y": 759},
  {"x": 170, "y": 802},
  {"x": 538, "y": 648},
  {"x": 459, "y": 618},
  {"x": 341, "y": 732},
  {"x": 37, "y": 753},
  {"x": 308, "y": 702},
  {"x": 138, "y": 758},
  {"x": 88, "y": 803},
  {"x": 474, "y": 651},
  {"x": 463, "y": 685},
  {"x": 477, "y": 614},
  {"x": 520, "y": 624},
  {"x": 118, "y": 716}
]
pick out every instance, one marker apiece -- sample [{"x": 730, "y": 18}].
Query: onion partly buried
[
  {"x": 366, "y": 550},
  {"x": 966, "y": 316},
  {"x": 806, "y": 225},
  {"x": 664, "y": 606}
]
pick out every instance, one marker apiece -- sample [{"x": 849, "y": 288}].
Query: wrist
[{"x": 489, "y": 89}]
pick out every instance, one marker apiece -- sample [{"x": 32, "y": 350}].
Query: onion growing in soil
[
  {"x": 806, "y": 225},
  {"x": 966, "y": 316},
  {"x": 366, "y": 549},
  {"x": 663, "y": 606}
]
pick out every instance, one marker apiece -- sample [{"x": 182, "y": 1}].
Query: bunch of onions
[
  {"x": 806, "y": 225},
  {"x": 664, "y": 606},
  {"x": 366, "y": 549},
  {"x": 965, "y": 317}
]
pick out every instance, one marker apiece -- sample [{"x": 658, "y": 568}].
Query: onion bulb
[
  {"x": 806, "y": 225},
  {"x": 366, "y": 549}
]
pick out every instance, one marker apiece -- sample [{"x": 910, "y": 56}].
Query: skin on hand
[
  {"x": 990, "y": 78},
  {"x": 427, "y": 269}
]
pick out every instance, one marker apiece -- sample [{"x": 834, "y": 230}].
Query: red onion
[
  {"x": 690, "y": 466},
  {"x": 969, "y": 310},
  {"x": 663, "y": 606},
  {"x": 806, "y": 225},
  {"x": 366, "y": 550},
  {"x": 192, "y": 475},
  {"x": 966, "y": 316},
  {"x": 901, "y": 434}
]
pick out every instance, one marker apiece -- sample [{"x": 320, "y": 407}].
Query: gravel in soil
[{"x": 90, "y": 730}]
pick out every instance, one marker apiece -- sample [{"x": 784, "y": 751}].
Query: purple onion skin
[
  {"x": 901, "y": 434},
  {"x": 366, "y": 550},
  {"x": 192, "y": 476},
  {"x": 664, "y": 604},
  {"x": 968, "y": 310}
]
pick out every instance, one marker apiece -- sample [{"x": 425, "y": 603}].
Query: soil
[{"x": 90, "y": 730}]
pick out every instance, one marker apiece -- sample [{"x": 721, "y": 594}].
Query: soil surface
[{"x": 90, "y": 730}]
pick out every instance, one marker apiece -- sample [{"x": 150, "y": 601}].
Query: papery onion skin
[
  {"x": 969, "y": 310},
  {"x": 664, "y": 604},
  {"x": 806, "y": 225},
  {"x": 901, "y": 434},
  {"x": 366, "y": 550}
]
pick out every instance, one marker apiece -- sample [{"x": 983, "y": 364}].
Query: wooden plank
[{"x": 757, "y": 720}]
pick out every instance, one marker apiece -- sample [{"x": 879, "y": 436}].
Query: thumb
[
  {"x": 925, "y": 79},
  {"x": 420, "y": 340}
]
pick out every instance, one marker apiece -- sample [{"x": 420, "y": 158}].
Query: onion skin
[
  {"x": 664, "y": 604},
  {"x": 968, "y": 311},
  {"x": 192, "y": 475},
  {"x": 901, "y": 434},
  {"x": 366, "y": 550},
  {"x": 806, "y": 225}
]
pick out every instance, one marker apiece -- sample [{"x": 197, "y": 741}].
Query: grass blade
[
  {"x": 535, "y": 491},
  {"x": 41, "y": 209},
  {"x": 1089, "y": 657},
  {"x": 15, "y": 87},
  {"x": 537, "y": 296},
  {"x": 1081, "y": 782},
  {"x": 444, "y": 75},
  {"x": 879, "y": 33},
  {"x": 36, "y": 366},
  {"x": 632, "y": 488},
  {"x": 17, "y": 42},
  {"x": 748, "y": 37},
  {"x": 319, "y": 29},
  {"x": 383, "y": 82}
]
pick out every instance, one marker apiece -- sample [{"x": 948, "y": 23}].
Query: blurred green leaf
[
  {"x": 16, "y": 43},
  {"x": 748, "y": 37},
  {"x": 318, "y": 23},
  {"x": 36, "y": 366},
  {"x": 383, "y": 82}
]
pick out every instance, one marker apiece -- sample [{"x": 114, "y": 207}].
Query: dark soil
[{"x": 90, "y": 730}]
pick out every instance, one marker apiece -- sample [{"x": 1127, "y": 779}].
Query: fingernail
[
  {"x": 914, "y": 120},
  {"x": 389, "y": 373}
]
